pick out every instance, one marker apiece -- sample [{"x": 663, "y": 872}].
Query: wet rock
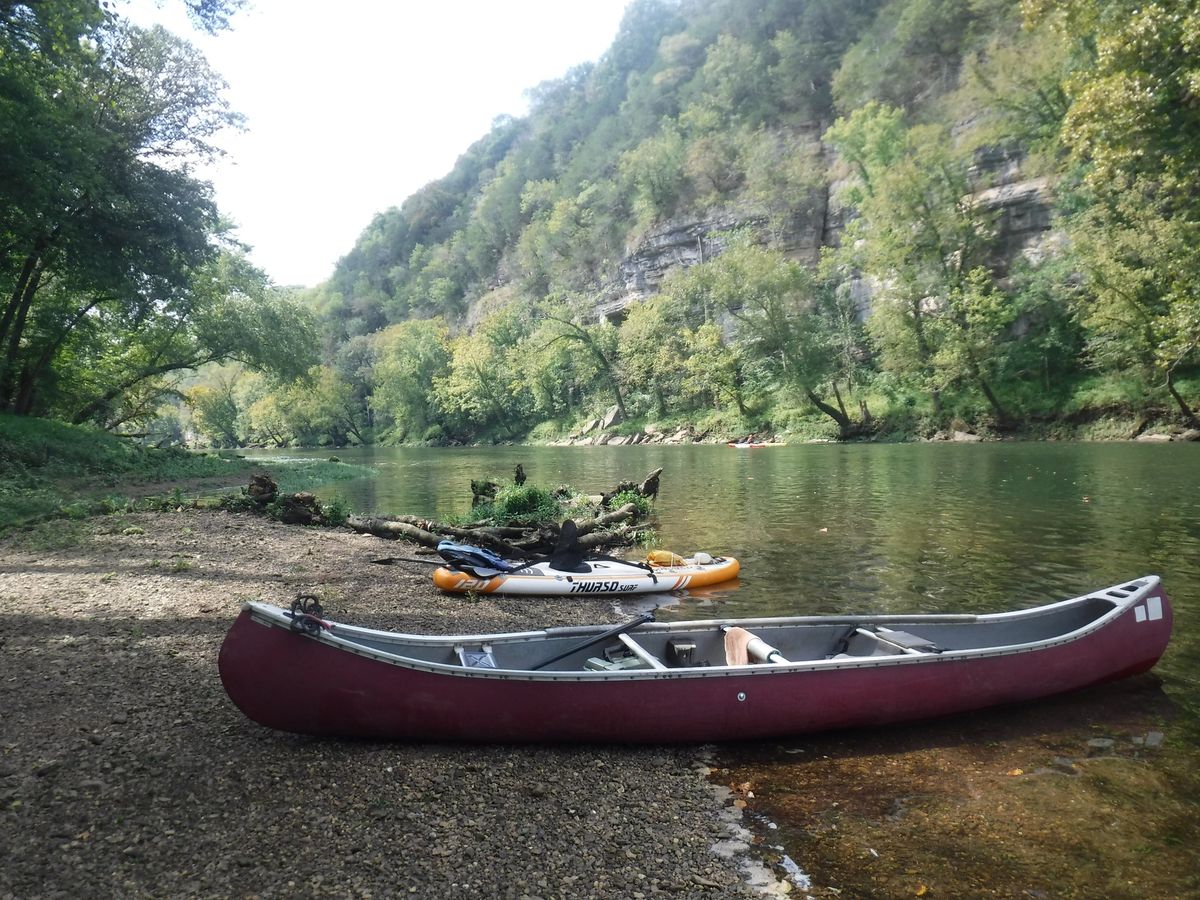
[{"x": 1154, "y": 739}]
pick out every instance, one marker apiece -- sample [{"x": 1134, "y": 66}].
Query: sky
[{"x": 352, "y": 106}]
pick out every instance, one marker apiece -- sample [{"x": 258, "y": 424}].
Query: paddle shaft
[
  {"x": 604, "y": 635},
  {"x": 388, "y": 560}
]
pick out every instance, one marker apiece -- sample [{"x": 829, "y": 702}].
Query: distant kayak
[
  {"x": 595, "y": 576},
  {"x": 754, "y": 445}
]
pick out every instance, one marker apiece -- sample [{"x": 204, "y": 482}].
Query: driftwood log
[{"x": 607, "y": 528}]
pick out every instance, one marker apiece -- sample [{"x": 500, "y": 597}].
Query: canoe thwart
[{"x": 640, "y": 652}]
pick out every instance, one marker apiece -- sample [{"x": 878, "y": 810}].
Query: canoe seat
[
  {"x": 480, "y": 658},
  {"x": 908, "y": 642}
]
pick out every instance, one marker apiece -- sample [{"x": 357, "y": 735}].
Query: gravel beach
[{"x": 125, "y": 770}]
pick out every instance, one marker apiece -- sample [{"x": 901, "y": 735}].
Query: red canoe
[{"x": 654, "y": 682}]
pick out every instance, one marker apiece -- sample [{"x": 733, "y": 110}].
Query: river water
[{"x": 827, "y": 528}]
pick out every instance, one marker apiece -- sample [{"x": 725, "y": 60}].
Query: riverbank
[
  {"x": 52, "y": 470},
  {"x": 607, "y": 431},
  {"x": 126, "y": 771}
]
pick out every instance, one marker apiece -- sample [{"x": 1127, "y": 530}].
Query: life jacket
[{"x": 664, "y": 558}]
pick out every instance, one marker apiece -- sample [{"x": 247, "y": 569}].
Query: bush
[
  {"x": 640, "y": 503},
  {"x": 523, "y": 505}
]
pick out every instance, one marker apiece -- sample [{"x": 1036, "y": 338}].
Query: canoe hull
[
  {"x": 296, "y": 683},
  {"x": 667, "y": 578}
]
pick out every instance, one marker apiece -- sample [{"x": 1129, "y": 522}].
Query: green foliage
[
  {"x": 50, "y": 468},
  {"x": 45, "y": 466},
  {"x": 409, "y": 356},
  {"x": 913, "y": 48},
  {"x": 1132, "y": 127},
  {"x": 640, "y": 503},
  {"x": 336, "y": 511},
  {"x": 520, "y": 505},
  {"x": 477, "y": 390},
  {"x": 940, "y": 320},
  {"x": 472, "y": 311},
  {"x": 296, "y": 475},
  {"x": 114, "y": 273}
]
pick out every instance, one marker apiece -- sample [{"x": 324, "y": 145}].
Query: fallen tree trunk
[
  {"x": 604, "y": 528},
  {"x": 392, "y": 530},
  {"x": 522, "y": 542}
]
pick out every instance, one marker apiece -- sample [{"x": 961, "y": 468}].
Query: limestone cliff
[{"x": 1023, "y": 222}]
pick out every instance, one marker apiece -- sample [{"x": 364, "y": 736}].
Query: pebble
[{"x": 181, "y": 795}]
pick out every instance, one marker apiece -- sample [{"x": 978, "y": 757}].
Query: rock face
[
  {"x": 1023, "y": 222},
  {"x": 676, "y": 243}
]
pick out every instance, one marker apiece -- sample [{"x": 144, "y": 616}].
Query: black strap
[{"x": 604, "y": 635}]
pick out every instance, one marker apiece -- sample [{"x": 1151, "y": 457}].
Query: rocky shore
[{"x": 125, "y": 770}]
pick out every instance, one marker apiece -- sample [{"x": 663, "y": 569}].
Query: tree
[
  {"x": 478, "y": 387},
  {"x": 653, "y": 175},
  {"x": 598, "y": 341},
  {"x": 107, "y": 226},
  {"x": 715, "y": 367},
  {"x": 653, "y": 349},
  {"x": 227, "y": 314},
  {"x": 321, "y": 408},
  {"x": 925, "y": 241},
  {"x": 1142, "y": 305},
  {"x": 1133, "y": 127},
  {"x": 216, "y": 409},
  {"x": 776, "y": 303},
  {"x": 268, "y": 421},
  {"x": 410, "y": 356}
]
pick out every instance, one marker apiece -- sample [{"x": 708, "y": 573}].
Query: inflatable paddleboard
[{"x": 601, "y": 577}]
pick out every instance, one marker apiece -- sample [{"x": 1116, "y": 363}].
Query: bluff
[{"x": 1023, "y": 209}]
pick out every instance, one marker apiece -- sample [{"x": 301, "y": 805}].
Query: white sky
[{"x": 352, "y": 106}]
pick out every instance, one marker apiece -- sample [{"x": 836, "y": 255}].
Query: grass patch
[
  {"x": 44, "y": 537},
  {"x": 295, "y": 475},
  {"x": 51, "y": 470}
]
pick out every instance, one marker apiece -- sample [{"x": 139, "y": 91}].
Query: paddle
[
  {"x": 604, "y": 635},
  {"x": 392, "y": 560}
]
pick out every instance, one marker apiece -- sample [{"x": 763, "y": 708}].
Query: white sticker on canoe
[{"x": 1152, "y": 611}]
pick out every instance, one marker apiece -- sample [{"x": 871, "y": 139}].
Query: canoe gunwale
[{"x": 1137, "y": 590}]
